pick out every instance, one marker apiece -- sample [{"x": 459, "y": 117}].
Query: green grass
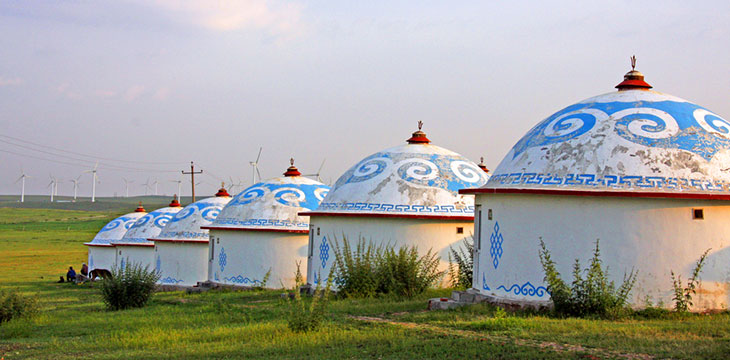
[{"x": 38, "y": 245}]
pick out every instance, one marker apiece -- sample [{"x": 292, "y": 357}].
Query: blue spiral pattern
[
  {"x": 306, "y": 196},
  {"x": 162, "y": 220},
  {"x": 526, "y": 289}
]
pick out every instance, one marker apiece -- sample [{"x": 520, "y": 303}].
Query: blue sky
[{"x": 160, "y": 83}]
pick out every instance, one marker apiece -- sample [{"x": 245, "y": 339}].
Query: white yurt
[
  {"x": 403, "y": 196},
  {"x": 101, "y": 252},
  {"x": 182, "y": 246},
  {"x": 260, "y": 231},
  {"x": 134, "y": 246},
  {"x": 644, "y": 172}
]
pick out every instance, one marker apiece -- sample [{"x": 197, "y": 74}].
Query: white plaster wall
[
  {"x": 249, "y": 255},
  {"x": 426, "y": 234},
  {"x": 144, "y": 255},
  {"x": 182, "y": 263},
  {"x": 653, "y": 236},
  {"x": 101, "y": 257}
]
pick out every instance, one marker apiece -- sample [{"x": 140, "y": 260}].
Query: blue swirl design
[
  {"x": 184, "y": 213},
  {"x": 128, "y": 225},
  {"x": 114, "y": 224},
  {"x": 448, "y": 172},
  {"x": 170, "y": 280},
  {"x": 143, "y": 220},
  {"x": 324, "y": 251},
  {"x": 661, "y": 124},
  {"x": 242, "y": 280},
  {"x": 526, "y": 289},
  {"x": 306, "y": 196},
  {"x": 162, "y": 220},
  {"x": 484, "y": 283},
  {"x": 211, "y": 213},
  {"x": 495, "y": 245},
  {"x": 222, "y": 259}
]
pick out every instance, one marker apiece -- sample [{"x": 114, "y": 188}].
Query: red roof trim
[
  {"x": 375, "y": 215},
  {"x": 632, "y": 194},
  {"x": 180, "y": 241},
  {"x": 130, "y": 244},
  {"x": 256, "y": 229}
]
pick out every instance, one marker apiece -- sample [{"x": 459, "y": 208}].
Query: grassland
[{"x": 37, "y": 245}]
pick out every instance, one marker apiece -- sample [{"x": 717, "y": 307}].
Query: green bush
[
  {"x": 306, "y": 315},
  {"x": 593, "y": 295},
  {"x": 683, "y": 295},
  {"x": 461, "y": 265},
  {"x": 372, "y": 270},
  {"x": 129, "y": 287},
  {"x": 14, "y": 305}
]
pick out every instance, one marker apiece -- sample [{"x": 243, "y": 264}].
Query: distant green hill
[{"x": 107, "y": 204}]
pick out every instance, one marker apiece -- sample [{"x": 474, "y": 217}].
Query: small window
[
  {"x": 489, "y": 214},
  {"x": 317, "y": 231},
  {"x": 120, "y": 252},
  {"x": 218, "y": 240},
  {"x": 459, "y": 229},
  {"x": 698, "y": 214}
]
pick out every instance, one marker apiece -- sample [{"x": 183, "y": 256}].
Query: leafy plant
[
  {"x": 262, "y": 284},
  {"x": 14, "y": 305},
  {"x": 130, "y": 286},
  {"x": 372, "y": 270},
  {"x": 461, "y": 264},
  {"x": 683, "y": 295},
  {"x": 592, "y": 295},
  {"x": 303, "y": 315}
]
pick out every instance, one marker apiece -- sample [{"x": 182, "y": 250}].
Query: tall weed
[
  {"x": 683, "y": 295},
  {"x": 461, "y": 264},
  {"x": 129, "y": 287},
  {"x": 14, "y": 305},
  {"x": 304, "y": 316}
]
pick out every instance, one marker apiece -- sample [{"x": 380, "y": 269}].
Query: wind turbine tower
[
  {"x": 255, "y": 167},
  {"x": 53, "y": 187},
  {"x": 76, "y": 185},
  {"x": 22, "y": 184},
  {"x": 179, "y": 186},
  {"x": 126, "y": 186},
  {"x": 94, "y": 179}
]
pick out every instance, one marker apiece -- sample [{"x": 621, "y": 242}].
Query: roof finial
[
  {"x": 482, "y": 166},
  {"x": 634, "y": 79},
  {"x": 174, "y": 202},
  {"x": 633, "y": 62},
  {"x": 291, "y": 161},
  {"x": 420, "y": 124},
  {"x": 292, "y": 170},
  {"x": 140, "y": 208},
  {"x": 222, "y": 191},
  {"x": 223, "y": 184},
  {"x": 419, "y": 137},
  {"x": 481, "y": 159}
]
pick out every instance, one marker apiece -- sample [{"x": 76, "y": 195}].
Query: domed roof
[
  {"x": 185, "y": 225},
  {"x": 634, "y": 140},
  {"x": 415, "y": 179},
  {"x": 273, "y": 204},
  {"x": 149, "y": 226},
  {"x": 115, "y": 229}
]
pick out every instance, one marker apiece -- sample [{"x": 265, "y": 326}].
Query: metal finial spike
[
  {"x": 420, "y": 124},
  {"x": 633, "y": 62},
  {"x": 174, "y": 196},
  {"x": 223, "y": 184},
  {"x": 140, "y": 203},
  {"x": 291, "y": 161},
  {"x": 481, "y": 159}
]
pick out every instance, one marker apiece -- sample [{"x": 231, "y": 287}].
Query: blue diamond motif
[
  {"x": 222, "y": 259},
  {"x": 324, "y": 251},
  {"x": 495, "y": 245}
]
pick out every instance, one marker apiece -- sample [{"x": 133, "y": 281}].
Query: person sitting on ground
[
  {"x": 60, "y": 280},
  {"x": 84, "y": 270},
  {"x": 84, "y": 274},
  {"x": 71, "y": 274}
]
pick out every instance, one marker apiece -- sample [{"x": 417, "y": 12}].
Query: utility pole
[{"x": 192, "y": 177}]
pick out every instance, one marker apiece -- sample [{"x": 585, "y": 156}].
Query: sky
[{"x": 145, "y": 87}]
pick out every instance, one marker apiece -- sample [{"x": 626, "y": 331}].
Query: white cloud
[
  {"x": 10, "y": 81},
  {"x": 133, "y": 92},
  {"x": 273, "y": 16},
  {"x": 65, "y": 90}
]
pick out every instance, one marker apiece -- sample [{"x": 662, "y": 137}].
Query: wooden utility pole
[{"x": 192, "y": 177}]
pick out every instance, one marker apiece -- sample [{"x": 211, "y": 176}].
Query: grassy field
[{"x": 37, "y": 246}]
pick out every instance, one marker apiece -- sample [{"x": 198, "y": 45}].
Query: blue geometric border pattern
[
  {"x": 241, "y": 280},
  {"x": 392, "y": 208},
  {"x": 434, "y": 170},
  {"x": 207, "y": 210},
  {"x": 661, "y": 124},
  {"x": 260, "y": 222},
  {"x": 495, "y": 245},
  {"x": 170, "y": 280},
  {"x": 183, "y": 235},
  {"x": 610, "y": 181},
  {"x": 526, "y": 289}
]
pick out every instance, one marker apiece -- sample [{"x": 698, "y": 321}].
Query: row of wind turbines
[{"x": 148, "y": 186}]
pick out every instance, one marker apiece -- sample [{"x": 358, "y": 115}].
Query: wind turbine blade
[
  {"x": 95, "y": 165},
  {"x": 16, "y": 181},
  {"x": 321, "y": 166},
  {"x": 259, "y": 155},
  {"x": 258, "y": 173}
]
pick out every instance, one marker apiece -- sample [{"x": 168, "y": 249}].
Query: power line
[
  {"x": 91, "y": 156},
  {"x": 101, "y": 166}
]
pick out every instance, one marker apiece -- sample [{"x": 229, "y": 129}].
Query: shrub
[
  {"x": 592, "y": 295},
  {"x": 14, "y": 305},
  {"x": 683, "y": 295},
  {"x": 305, "y": 315},
  {"x": 372, "y": 270},
  {"x": 129, "y": 287},
  {"x": 461, "y": 265}
]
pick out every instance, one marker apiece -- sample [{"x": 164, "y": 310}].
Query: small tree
[
  {"x": 130, "y": 286},
  {"x": 683, "y": 295},
  {"x": 14, "y": 305},
  {"x": 461, "y": 264}
]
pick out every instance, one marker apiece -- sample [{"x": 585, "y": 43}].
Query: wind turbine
[
  {"x": 255, "y": 165},
  {"x": 126, "y": 186},
  {"x": 146, "y": 185},
  {"x": 94, "y": 179},
  {"x": 318, "y": 172},
  {"x": 155, "y": 184},
  {"x": 52, "y": 185},
  {"x": 76, "y": 185},
  {"x": 179, "y": 186},
  {"x": 22, "y": 184},
  {"x": 233, "y": 185}
]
